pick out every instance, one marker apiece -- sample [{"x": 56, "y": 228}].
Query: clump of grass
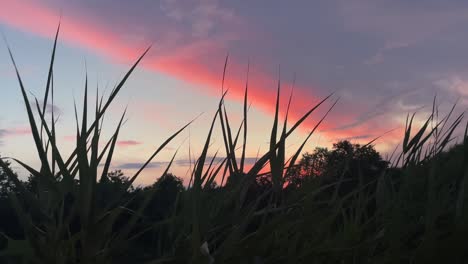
[
  {"x": 400, "y": 216},
  {"x": 62, "y": 221}
]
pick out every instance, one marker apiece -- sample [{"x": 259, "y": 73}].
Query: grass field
[{"x": 334, "y": 206}]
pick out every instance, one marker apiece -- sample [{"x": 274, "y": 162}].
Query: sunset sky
[{"x": 382, "y": 59}]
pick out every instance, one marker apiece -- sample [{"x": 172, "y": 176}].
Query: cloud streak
[
  {"x": 179, "y": 162},
  {"x": 128, "y": 143},
  {"x": 13, "y": 132},
  {"x": 191, "y": 39}
]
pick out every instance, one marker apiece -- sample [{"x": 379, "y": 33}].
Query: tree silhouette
[
  {"x": 346, "y": 162},
  {"x": 166, "y": 189},
  {"x": 6, "y": 185},
  {"x": 9, "y": 224}
]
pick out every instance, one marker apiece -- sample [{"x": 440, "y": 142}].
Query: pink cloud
[
  {"x": 128, "y": 143},
  {"x": 15, "y": 132},
  {"x": 122, "y": 143},
  {"x": 70, "y": 138},
  {"x": 194, "y": 61}
]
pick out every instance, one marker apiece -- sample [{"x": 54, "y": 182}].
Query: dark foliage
[{"x": 347, "y": 168}]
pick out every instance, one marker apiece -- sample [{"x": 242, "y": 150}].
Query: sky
[{"x": 381, "y": 59}]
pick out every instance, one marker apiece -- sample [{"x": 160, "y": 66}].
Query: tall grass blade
[
  {"x": 50, "y": 73},
  {"x": 245, "y": 120},
  {"x": 37, "y": 139},
  {"x": 132, "y": 179},
  {"x": 112, "y": 96},
  {"x": 299, "y": 150},
  {"x": 232, "y": 147}
]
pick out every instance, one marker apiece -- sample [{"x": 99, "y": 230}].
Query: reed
[{"x": 411, "y": 209}]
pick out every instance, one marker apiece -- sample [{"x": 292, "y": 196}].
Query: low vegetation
[{"x": 343, "y": 205}]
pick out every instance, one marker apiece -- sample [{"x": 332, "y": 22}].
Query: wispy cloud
[
  {"x": 128, "y": 143},
  {"x": 185, "y": 56},
  {"x": 187, "y": 162},
  {"x": 138, "y": 165},
  {"x": 12, "y": 132},
  {"x": 367, "y": 137},
  {"x": 120, "y": 143},
  {"x": 179, "y": 162},
  {"x": 70, "y": 138},
  {"x": 192, "y": 38},
  {"x": 388, "y": 47},
  {"x": 202, "y": 16},
  {"x": 49, "y": 108},
  {"x": 401, "y": 24},
  {"x": 456, "y": 86},
  {"x": 382, "y": 109},
  {"x": 15, "y": 131}
]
